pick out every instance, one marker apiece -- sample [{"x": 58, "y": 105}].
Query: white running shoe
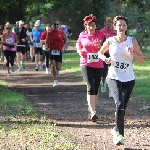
[
  {"x": 8, "y": 74},
  {"x": 57, "y": 74},
  {"x": 36, "y": 68},
  {"x": 47, "y": 70},
  {"x": 103, "y": 88},
  {"x": 118, "y": 139},
  {"x": 55, "y": 83},
  {"x": 12, "y": 68}
]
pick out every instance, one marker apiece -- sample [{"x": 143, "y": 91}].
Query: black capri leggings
[
  {"x": 92, "y": 76},
  {"x": 121, "y": 92},
  {"x": 105, "y": 72},
  {"x": 10, "y": 56}
]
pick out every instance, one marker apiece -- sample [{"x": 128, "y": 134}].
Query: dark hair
[
  {"x": 120, "y": 18},
  {"x": 89, "y": 19}
]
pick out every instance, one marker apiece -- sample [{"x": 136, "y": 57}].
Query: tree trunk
[{"x": 118, "y": 7}]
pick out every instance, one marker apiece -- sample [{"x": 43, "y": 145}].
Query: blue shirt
[{"x": 36, "y": 36}]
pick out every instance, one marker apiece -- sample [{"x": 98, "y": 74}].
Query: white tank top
[{"x": 121, "y": 66}]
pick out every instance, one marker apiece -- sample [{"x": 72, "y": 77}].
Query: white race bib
[
  {"x": 38, "y": 45},
  {"x": 9, "y": 40},
  {"x": 55, "y": 52},
  {"x": 121, "y": 66},
  {"x": 92, "y": 57}
]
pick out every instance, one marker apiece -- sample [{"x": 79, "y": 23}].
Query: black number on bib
[{"x": 121, "y": 65}]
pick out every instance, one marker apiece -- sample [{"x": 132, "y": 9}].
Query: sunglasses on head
[
  {"x": 8, "y": 28},
  {"x": 56, "y": 24}
]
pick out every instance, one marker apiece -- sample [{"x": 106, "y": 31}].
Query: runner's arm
[
  {"x": 103, "y": 49},
  {"x": 136, "y": 52},
  {"x": 16, "y": 38},
  {"x": 65, "y": 40}
]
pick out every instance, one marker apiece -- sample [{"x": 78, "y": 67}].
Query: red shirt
[
  {"x": 56, "y": 39},
  {"x": 43, "y": 35}
]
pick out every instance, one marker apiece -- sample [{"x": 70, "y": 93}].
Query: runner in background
[
  {"x": 56, "y": 41},
  {"x": 45, "y": 47},
  {"x": 9, "y": 47},
  {"x": 88, "y": 45},
  {"x": 36, "y": 33},
  {"x": 32, "y": 52},
  {"x": 27, "y": 54},
  {"x": 23, "y": 35},
  {"x": 122, "y": 49},
  {"x": 108, "y": 32}
]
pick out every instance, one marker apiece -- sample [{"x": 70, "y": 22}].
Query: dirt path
[{"x": 67, "y": 106}]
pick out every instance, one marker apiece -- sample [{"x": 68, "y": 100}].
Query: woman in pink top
[
  {"x": 88, "y": 45},
  {"x": 9, "y": 46},
  {"x": 108, "y": 31}
]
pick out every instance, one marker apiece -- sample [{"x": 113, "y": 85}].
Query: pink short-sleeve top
[{"x": 90, "y": 57}]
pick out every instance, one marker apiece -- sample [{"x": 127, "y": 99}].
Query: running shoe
[
  {"x": 103, "y": 88},
  {"x": 12, "y": 68},
  {"x": 8, "y": 74},
  {"x": 23, "y": 66},
  {"x": 110, "y": 94},
  {"x": 118, "y": 139},
  {"x": 36, "y": 68},
  {"x": 55, "y": 83},
  {"x": 19, "y": 69},
  {"x": 94, "y": 118}
]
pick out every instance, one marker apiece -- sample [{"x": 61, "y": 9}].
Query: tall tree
[{"x": 118, "y": 7}]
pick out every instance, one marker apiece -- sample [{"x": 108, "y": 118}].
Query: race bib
[
  {"x": 39, "y": 45},
  {"x": 121, "y": 66},
  {"x": 55, "y": 52},
  {"x": 9, "y": 40},
  {"x": 92, "y": 57}
]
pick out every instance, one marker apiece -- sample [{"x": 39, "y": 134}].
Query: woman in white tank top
[{"x": 122, "y": 49}]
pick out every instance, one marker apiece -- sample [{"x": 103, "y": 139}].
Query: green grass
[
  {"x": 71, "y": 63},
  {"x": 141, "y": 90},
  {"x": 29, "y": 134},
  {"x": 13, "y": 102},
  {"x": 22, "y": 128}
]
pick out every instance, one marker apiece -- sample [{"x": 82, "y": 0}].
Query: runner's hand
[
  {"x": 130, "y": 49},
  {"x": 23, "y": 40},
  {"x": 97, "y": 43},
  {"x": 108, "y": 60}
]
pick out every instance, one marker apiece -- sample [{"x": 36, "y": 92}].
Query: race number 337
[
  {"x": 121, "y": 66},
  {"x": 92, "y": 57}
]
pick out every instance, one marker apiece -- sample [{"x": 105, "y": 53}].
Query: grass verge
[{"x": 22, "y": 129}]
